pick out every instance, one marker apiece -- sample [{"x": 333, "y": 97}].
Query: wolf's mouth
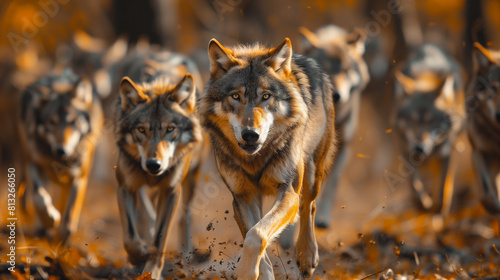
[
  {"x": 155, "y": 173},
  {"x": 249, "y": 148}
]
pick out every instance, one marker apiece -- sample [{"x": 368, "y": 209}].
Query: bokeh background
[{"x": 375, "y": 226}]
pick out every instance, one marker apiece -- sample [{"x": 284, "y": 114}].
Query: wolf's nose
[
  {"x": 336, "y": 96},
  {"x": 418, "y": 149},
  {"x": 249, "y": 136},
  {"x": 153, "y": 165},
  {"x": 497, "y": 116},
  {"x": 61, "y": 151}
]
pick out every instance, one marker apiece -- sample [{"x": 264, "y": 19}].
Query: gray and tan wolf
[
  {"x": 340, "y": 54},
  {"x": 146, "y": 66},
  {"x": 483, "y": 124},
  {"x": 271, "y": 118},
  {"x": 158, "y": 136},
  {"x": 430, "y": 114},
  {"x": 59, "y": 126}
]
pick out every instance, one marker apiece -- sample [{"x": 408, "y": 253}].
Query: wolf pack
[{"x": 273, "y": 122}]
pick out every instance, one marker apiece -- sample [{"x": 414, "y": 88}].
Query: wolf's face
[
  {"x": 487, "y": 83},
  {"x": 249, "y": 93},
  {"x": 62, "y": 113},
  {"x": 421, "y": 119},
  {"x": 155, "y": 122},
  {"x": 340, "y": 55}
]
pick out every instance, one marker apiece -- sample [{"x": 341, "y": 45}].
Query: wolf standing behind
[
  {"x": 430, "y": 114},
  {"x": 60, "y": 122},
  {"x": 340, "y": 54},
  {"x": 484, "y": 124},
  {"x": 270, "y": 116},
  {"x": 157, "y": 132}
]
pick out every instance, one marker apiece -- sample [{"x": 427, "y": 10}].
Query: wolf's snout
[
  {"x": 497, "y": 116},
  {"x": 336, "y": 96},
  {"x": 153, "y": 165},
  {"x": 61, "y": 151},
  {"x": 418, "y": 149},
  {"x": 249, "y": 136}
]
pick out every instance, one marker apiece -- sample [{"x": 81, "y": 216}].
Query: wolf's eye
[
  {"x": 170, "y": 128},
  {"x": 141, "y": 130},
  {"x": 266, "y": 96},
  {"x": 235, "y": 96}
]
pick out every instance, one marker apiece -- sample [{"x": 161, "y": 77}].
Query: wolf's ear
[
  {"x": 406, "y": 82},
  {"x": 482, "y": 57},
  {"x": 221, "y": 59},
  {"x": 185, "y": 93},
  {"x": 130, "y": 94},
  {"x": 446, "y": 90},
  {"x": 310, "y": 38},
  {"x": 356, "y": 40},
  {"x": 83, "y": 91},
  {"x": 281, "y": 57}
]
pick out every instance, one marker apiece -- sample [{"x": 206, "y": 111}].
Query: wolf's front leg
[
  {"x": 167, "y": 204},
  {"x": 326, "y": 200},
  {"x": 247, "y": 213},
  {"x": 307, "y": 247},
  {"x": 146, "y": 215},
  {"x": 282, "y": 213},
  {"x": 424, "y": 199},
  {"x": 127, "y": 204},
  {"x": 489, "y": 180},
  {"x": 42, "y": 200},
  {"x": 447, "y": 185},
  {"x": 188, "y": 188},
  {"x": 74, "y": 203}
]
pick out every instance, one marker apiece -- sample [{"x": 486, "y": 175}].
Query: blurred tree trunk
[
  {"x": 136, "y": 19},
  {"x": 474, "y": 31}
]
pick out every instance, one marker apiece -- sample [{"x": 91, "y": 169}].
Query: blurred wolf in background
[
  {"x": 60, "y": 122},
  {"x": 271, "y": 117},
  {"x": 430, "y": 114},
  {"x": 340, "y": 54},
  {"x": 483, "y": 124},
  {"x": 160, "y": 141}
]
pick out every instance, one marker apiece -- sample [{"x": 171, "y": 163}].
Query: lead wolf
[
  {"x": 270, "y": 116},
  {"x": 484, "y": 124},
  {"x": 430, "y": 114},
  {"x": 160, "y": 145},
  {"x": 340, "y": 54},
  {"x": 60, "y": 122}
]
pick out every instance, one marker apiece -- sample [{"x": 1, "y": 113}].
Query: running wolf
[
  {"x": 158, "y": 135},
  {"x": 147, "y": 65},
  {"x": 271, "y": 118},
  {"x": 484, "y": 124},
  {"x": 59, "y": 126},
  {"x": 340, "y": 54},
  {"x": 430, "y": 114}
]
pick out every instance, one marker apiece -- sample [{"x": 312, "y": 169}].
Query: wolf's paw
[
  {"x": 246, "y": 271},
  {"x": 321, "y": 223},
  {"x": 136, "y": 252},
  {"x": 307, "y": 258},
  {"x": 155, "y": 268}
]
